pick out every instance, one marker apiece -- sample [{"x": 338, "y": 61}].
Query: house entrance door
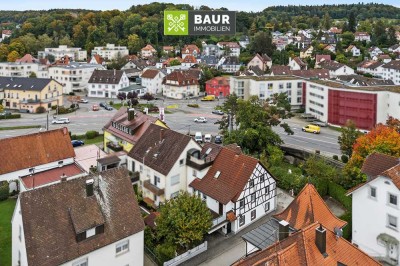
[
  {"x": 106, "y": 94},
  {"x": 228, "y": 228},
  {"x": 394, "y": 251}
]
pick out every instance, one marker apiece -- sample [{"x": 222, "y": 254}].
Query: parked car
[
  {"x": 217, "y": 112},
  {"x": 319, "y": 123},
  {"x": 200, "y": 119},
  {"x": 102, "y": 104},
  {"x": 198, "y": 137},
  {"x": 77, "y": 143},
  {"x": 207, "y": 138},
  {"x": 108, "y": 108},
  {"x": 95, "y": 107},
  {"x": 208, "y": 98},
  {"x": 83, "y": 101},
  {"x": 5, "y": 113},
  {"x": 218, "y": 139},
  {"x": 60, "y": 121},
  {"x": 312, "y": 129}
]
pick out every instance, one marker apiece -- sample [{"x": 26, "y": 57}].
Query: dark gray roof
[
  {"x": 106, "y": 76},
  {"x": 231, "y": 60},
  {"x": 209, "y": 59},
  {"x": 31, "y": 84},
  {"x": 331, "y": 65},
  {"x": 257, "y": 70},
  {"x": 364, "y": 81},
  {"x": 109, "y": 160},
  {"x": 132, "y": 87},
  {"x": 394, "y": 64}
]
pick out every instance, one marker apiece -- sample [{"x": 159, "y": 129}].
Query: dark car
[
  {"x": 102, "y": 104},
  {"x": 218, "y": 112},
  {"x": 218, "y": 139},
  {"x": 77, "y": 143},
  {"x": 108, "y": 108},
  {"x": 5, "y": 113}
]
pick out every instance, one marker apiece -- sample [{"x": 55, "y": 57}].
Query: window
[
  {"x": 267, "y": 190},
  {"x": 253, "y": 197},
  {"x": 253, "y": 215},
  {"x": 270, "y": 86},
  {"x": 251, "y": 183},
  {"x": 141, "y": 168},
  {"x": 299, "y": 85},
  {"x": 241, "y": 203},
  {"x": 372, "y": 192},
  {"x": 122, "y": 247},
  {"x": 174, "y": 195},
  {"x": 288, "y": 85},
  {"x": 266, "y": 206},
  {"x": 242, "y": 220},
  {"x": 91, "y": 232},
  {"x": 204, "y": 196},
  {"x": 181, "y": 162},
  {"x": 392, "y": 221},
  {"x": 280, "y": 85},
  {"x": 194, "y": 173},
  {"x": 298, "y": 99},
  {"x": 392, "y": 199},
  {"x": 175, "y": 180},
  {"x": 82, "y": 262},
  {"x": 133, "y": 166},
  {"x": 262, "y": 178}
]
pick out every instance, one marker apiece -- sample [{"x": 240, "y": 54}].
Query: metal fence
[{"x": 187, "y": 255}]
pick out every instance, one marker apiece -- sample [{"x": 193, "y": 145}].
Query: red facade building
[{"x": 218, "y": 86}]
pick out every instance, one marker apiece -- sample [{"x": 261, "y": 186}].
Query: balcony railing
[
  {"x": 114, "y": 147},
  {"x": 135, "y": 177},
  {"x": 154, "y": 189},
  {"x": 218, "y": 220}
]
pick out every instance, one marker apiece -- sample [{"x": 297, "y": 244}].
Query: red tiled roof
[
  {"x": 360, "y": 33},
  {"x": 234, "y": 172},
  {"x": 184, "y": 77},
  {"x": 36, "y": 149},
  {"x": 50, "y": 176},
  {"x": 99, "y": 60},
  {"x": 299, "y": 61},
  {"x": 394, "y": 174},
  {"x": 150, "y": 73},
  {"x": 28, "y": 58},
  {"x": 221, "y": 81},
  {"x": 308, "y": 207},
  {"x": 280, "y": 70},
  {"x": 300, "y": 249},
  {"x": 150, "y": 219},
  {"x": 7, "y": 32},
  {"x": 322, "y": 57},
  {"x": 189, "y": 59},
  {"x": 54, "y": 215},
  {"x": 149, "y": 47},
  {"x": 229, "y": 44},
  {"x": 190, "y": 48}
]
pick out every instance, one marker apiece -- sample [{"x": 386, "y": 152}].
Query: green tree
[
  {"x": 391, "y": 38},
  {"x": 183, "y": 221},
  {"x": 44, "y": 41},
  {"x": 352, "y": 24},
  {"x": 379, "y": 33},
  {"x": 262, "y": 44},
  {"x": 33, "y": 75},
  {"x": 348, "y": 137},
  {"x": 18, "y": 47},
  {"x": 347, "y": 38},
  {"x": 66, "y": 40},
  {"x": 320, "y": 173},
  {"x": 3, "y": 52},
  {"x": 341, "y": 58},
  {"x": 174, "y": 62},
  {"x": 326, "y": 21},
  {"x": 117, "y": 26},
  {"x": 134, "y": 43},
  {"x": 12, "y": 56}
]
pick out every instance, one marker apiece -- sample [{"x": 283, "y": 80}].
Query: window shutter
[
  {"x": 100, "y": 229},
  {"x": 81, "y": 236}
]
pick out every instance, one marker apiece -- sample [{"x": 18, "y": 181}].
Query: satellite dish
[{"x": 338, "y": 232}]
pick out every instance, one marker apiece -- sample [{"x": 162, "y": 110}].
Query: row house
[
  {"x": 27, "y": 94},
  {"x": 377, "y": 201},
  {"x": 107, "y": 83},
  {"x": 353, "y": 50},
  {"x": 160, "y": 159},
  {"x": 110, "y": 51},
  {"x": 264, "y": 62},
  {"x": 218, "y": 86},
  {"x": 82, "y": 221},
  {"x": 233, "y": 48},
  {"x": 148, "y": 51},
  {"x": 180, "y": 84},
  {"x": 152, "y": 79},
  {"x": 362, "y": 36},
  {"x": 229, "y": 64},
  {"x": 75, "y": 53},
  {"x": 237, "y": 189},
  {"x": 190, "y": 49},
  {"x": 74, "y": 76},
  {"x": 371, "y": 67},
  {"x": 391, "y": 71}
]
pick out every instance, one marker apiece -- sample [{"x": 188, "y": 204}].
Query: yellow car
[
  {"x": 208, "y": 98},
  {"x": 312, "y": 129}
]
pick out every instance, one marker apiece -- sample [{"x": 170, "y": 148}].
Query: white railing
[
  {"x": 187, "y": 255},
  {"x": 218, "y": 220}
]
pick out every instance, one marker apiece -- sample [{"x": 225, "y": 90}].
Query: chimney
[
  {"x": 131, "y": 114},
  {"x": 63, "y": 177},
  {"x": 161, "y": 135},
  {"x": 283, "y": 230},
  {"x": 115, "y": 71},
  {"x": 320, "y": 239},
  {"x": 89, "y": 187}
]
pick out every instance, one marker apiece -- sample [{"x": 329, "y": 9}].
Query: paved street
[{"x": 179, "y": 117}]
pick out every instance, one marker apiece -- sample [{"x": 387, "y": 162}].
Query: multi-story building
[
  {"x": 374, "y": 51},
  {"x": 218, "y": 86},
  {"x": 353, "y": 50},
  {"x": 377, "y": 202},
  {"x": 212, "y": 50},
  {"x": 148, "y": 51},
  {"x": 391, "y": 71},
  {"x": 19, "y": 69},
  {"x": 190, "y": 49},
  {"x": 107, "y": 83},
  {"x": 76, "y": 54},
  {"x": 264, "y": 62},
  {"x": 73, "y": 76},
  {"x": 27, "y": 94},
  {"x": 371, "y": 67},
  {"x": 230, "y": 48},
  {"x": 180, "y": 84},
  {"x": 89, "y": 220},
  {"x": 110, "y": 51},
  {"x": 152, "y": 80},
  {"x": 229, "y": 64},
  {"x": 362, "y": 36},
  {"x": 336, "y": 69}
]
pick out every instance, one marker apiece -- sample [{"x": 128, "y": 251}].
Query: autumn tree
[
  {"x": 12, "y": 56},
  {"x": 183, "y": 221},
  {"x": 4, "y": 52},
  {"x": 393, "y": 123},
  {"x": 348, "y": 137},
  {"x": 134, "y": 43}
]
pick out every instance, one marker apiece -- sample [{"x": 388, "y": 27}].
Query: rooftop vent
[
  {"x": 217, "y": 174},
  {"x": 89, "y": 187}
]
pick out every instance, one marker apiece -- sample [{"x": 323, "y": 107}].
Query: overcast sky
[{"x": 239, "y": 5}]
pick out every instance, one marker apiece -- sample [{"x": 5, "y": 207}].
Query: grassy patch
[
  {"x": 117, "y": 106},
  {"x": 96, "y": 140},
  {"x": 20, "y": 127},
  {"x": 338, "y": 129},
  {"x": 6, "y": 211}
]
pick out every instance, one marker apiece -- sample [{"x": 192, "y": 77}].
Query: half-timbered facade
[{"x": 238, "y": 190}]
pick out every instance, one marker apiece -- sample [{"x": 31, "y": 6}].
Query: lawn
[
  {"x": 6, "y": 212},
  {"x": 19, "y": 127},
  {"x": 96, "y": 140}
]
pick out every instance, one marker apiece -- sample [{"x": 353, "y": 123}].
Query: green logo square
[{"x": 176, "y": 22}]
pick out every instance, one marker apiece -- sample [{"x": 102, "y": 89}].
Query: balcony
[
  {"x": 135, "y": 177},
  {"x": 218, "y": 220},
  {"x": 114, "y": 147},
  {"x": 152, "y": 188}
]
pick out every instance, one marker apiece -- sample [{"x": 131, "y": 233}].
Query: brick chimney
[
  {"x": 63, "y": 177},
  {"x": 161, "y": 135},
  {"x": 283, "y": 230},
  {"x": 131, "y": 114},
  {"x": 320, "y": 239}
]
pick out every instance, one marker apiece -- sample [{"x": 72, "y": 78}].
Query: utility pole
[{"x": 47, "y": 124}]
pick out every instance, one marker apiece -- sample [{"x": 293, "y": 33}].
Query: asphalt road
[{"x": 178, "y": 117}]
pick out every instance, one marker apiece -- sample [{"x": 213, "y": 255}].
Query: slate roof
[
  {"x": 231, "y": 60},
  {"x": 163, "y": 152},
  {"x": 139, "y": 125},
  {"x": 331, "y": 65},
  {"x": 300, "y": 249},
  {"x": 55, "y": 214},
  {"x": 106, "y": 76},
  {"x": 307, "y": 208},
  {"x": 394, "y": 64},
  {"x": 257, "y": 70},
  {"x": 22, "y": 84},
  {"x": 364, "y": 81},
  {"x": 311, "y": 73},
  {"x": 235, "y": 171},
  {"x": 36, "y": 149}
]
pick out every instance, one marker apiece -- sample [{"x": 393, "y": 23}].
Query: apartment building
[
  {"x": 24, "y": 70},
  {"x": 110, "y": 51},
  {"x": 75, "y": 53}
]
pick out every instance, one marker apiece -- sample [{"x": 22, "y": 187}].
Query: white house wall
[
  {"x": 317, "y": 101},
  {"x": 18, "y": 252},
  {"x": 369, "y": 218}
]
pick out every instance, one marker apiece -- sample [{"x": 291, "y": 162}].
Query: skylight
[{"x": 217, "y": 174}]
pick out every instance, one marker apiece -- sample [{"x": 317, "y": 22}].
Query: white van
[
  {"x": 198, "y": 137},
  {"x": 60, "y": 121},
  {"x": 207, "y": 138}
]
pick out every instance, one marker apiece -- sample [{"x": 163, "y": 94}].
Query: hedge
[
  {"x": 339, "y": 193},
  {"x": 194, "y": 105},
  {"x": 11, "y": 116},
  {"x": 4, "y": 190},
  {"x": 91, "y": 134},
  {"x": 348, "y": 228}
]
